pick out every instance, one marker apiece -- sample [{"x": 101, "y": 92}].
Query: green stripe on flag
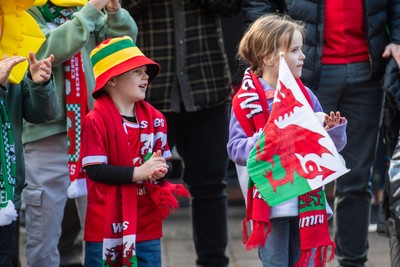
[{"x": 258, "y": 171}]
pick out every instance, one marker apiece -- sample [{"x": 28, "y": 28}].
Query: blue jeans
[
  {"x": 93, "y": 254},
  {"x": 148, "y": 253},
  {"x": 350, "y": 89},
  {"x": 282, "y": 247}
]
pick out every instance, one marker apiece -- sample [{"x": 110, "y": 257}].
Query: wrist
[
  {"x": 137, "y": 175},
  {"x": 134, "y": 175}
]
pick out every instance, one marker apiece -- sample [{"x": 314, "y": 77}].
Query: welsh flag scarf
[
  {"x": 121, "y": 212},
  {"x": 7, "y": 167},
  {"x": 76, "y": 100},
  {"x": 294, "y": 156}
]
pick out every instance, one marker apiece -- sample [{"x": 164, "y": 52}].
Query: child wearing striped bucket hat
[{"x": 125, "y": 155}]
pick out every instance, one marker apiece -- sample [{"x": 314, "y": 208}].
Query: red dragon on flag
[{"x": 294, "y": 153}]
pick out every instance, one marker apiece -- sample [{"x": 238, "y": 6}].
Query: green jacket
[
  {"x": 88, "y": 28},
  {"x": 33, "y": 102}
]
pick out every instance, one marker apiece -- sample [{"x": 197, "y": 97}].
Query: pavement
[{"x": 178, "y": 249}]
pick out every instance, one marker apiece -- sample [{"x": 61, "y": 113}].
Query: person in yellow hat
[
  {"x": 35, "y": 100},
  {"x": 72, "y": 29}
]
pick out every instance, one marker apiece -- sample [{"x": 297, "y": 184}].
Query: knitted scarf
[
  {"x": 76, "y": 100},
  {"x": 251, "y": 109},
  {"x": 7, "y": 167},
  {"x": 121, "y": 212}
]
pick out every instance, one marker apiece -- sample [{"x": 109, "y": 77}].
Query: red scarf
[
  {"x": 121, "y": 212},
  {"x": 76, "y": 107},
  {"x": 76, "y": 100},
  {"x": 251, "y": 110}
]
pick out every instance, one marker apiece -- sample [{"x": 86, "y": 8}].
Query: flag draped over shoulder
[{"x": 294, "y": 154}]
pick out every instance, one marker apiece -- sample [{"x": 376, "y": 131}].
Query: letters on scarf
[
  {"x": 76, "y": 99},
  {"x": 294, "y": 156},
  {"x": 119, "y": 214},
  {"x": 76, "y": 107}
]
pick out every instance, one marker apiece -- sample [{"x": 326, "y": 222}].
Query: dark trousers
[
  {"x": 7, "y": 244},
  {"x": 201, "y": 138},
  {"x": 350, "y": 89},
  {"x": 71, "y": 239}
]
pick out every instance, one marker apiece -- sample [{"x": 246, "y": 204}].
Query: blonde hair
[{"x": 264, "y": 37}]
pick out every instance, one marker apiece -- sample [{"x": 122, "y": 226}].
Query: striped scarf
[
  {"x": 120, "y": 201},
  {"x": 251, "y": 109},
  {"x": 76, "y": 100},
  {"x": 7, "y": 167}
]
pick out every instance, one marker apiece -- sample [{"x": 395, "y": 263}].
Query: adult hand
[
  {"x": 112, "y": 5},
  {"x": 6, "y": 66},
  {"x": 40, "y": 70},
  {"x": 393, "y": 50},
  {"x": 99, "y": 4}
]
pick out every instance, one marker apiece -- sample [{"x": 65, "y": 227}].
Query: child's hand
[
  {"x": 154, "y": 166},
  {"x": 40, "y": 70},
  {"x": 333, "y": 120},
  {"x": 6, "y": 66},
  {"x": 158, "y": 174}
]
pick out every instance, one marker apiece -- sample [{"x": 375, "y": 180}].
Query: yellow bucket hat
[
  {"x": 19, "y": 34},
  {"x": 64, "y": 3}
]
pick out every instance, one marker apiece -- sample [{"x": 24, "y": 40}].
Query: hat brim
[{"x": 153, "y": 69}]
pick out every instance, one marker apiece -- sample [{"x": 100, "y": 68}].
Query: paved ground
[{"x": 178, "y": 249}]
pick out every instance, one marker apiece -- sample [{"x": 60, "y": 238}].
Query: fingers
[
  {"x": 51, "y": 58},
  {"x": 157, "y": 154},
  {"x": 333, "y": 119},
  {"x": 47, "y": 61},
  {"x": 32, "y": 58},
  {"x": 41, "y": 70},
  {"x": 8, "y": 63},
  {"x": 158, "y": 174},
  {"x": 45, "y": 75},
  {"x": 393, "y": 50},
  {"x": 45, "y": 67},
  {"x": 6, "y": 66}
]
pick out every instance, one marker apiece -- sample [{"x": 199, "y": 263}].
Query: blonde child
[{"x": 260, "y": 47}]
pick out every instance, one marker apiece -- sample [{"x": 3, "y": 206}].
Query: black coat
[
  {"x": 390, "y": 131},
  {"x": 379, "y": 14}
]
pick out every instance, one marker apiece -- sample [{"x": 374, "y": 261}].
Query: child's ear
[
  {"x": 112, "y": 82},
  {"x": 267, "y": 61}
]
